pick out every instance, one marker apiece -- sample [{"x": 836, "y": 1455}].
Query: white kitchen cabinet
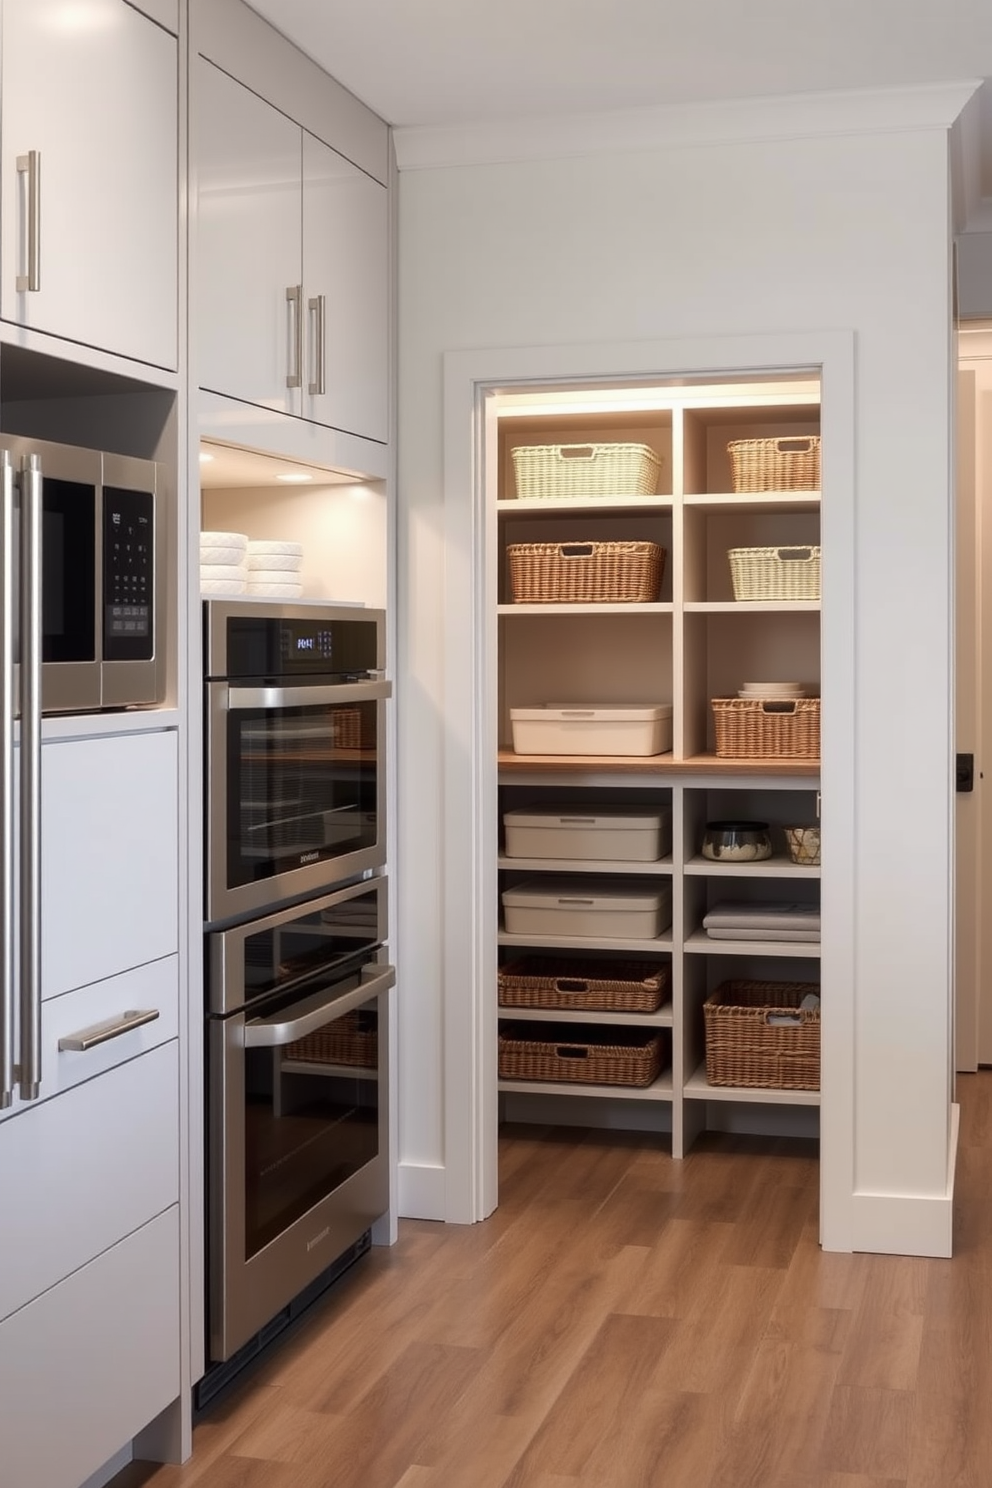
[
  {"x": 89, "y": 166},
  {"x": 291, "y": 283},
  {"x": 91, "y": 1361}
]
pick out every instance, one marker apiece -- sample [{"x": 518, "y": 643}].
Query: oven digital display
[{"x": 276, "y": 646}]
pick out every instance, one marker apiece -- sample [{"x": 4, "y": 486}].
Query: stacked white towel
[
  {"x": 274, "y": 569},
  {"x": 223, "y": 563}
]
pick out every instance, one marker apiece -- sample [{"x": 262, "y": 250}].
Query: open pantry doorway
[{"x": 480, "y": 387}]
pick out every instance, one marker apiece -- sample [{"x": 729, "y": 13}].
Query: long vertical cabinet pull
[
  {"x": 30, "y": 165},
  {"x": 6, "y": 779},
  {"x": 294, "y": 297},
  {"x": 318, "y": 307},
  {"x": 30, "y": 853}
]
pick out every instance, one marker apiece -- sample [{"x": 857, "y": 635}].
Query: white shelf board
[
  {"x": 751, "y": 606},
  {"x": 661, "y": 869},
  {"x": 663, "y": 1018},
  {"x": 606, "y": 608},
  {"x": 754, "y": 501},
  {"x": 701, "y": 944},
  {"x": 518, "y": 506},
  {"x": 322, "y": 1067},
  {"x": 779, "y": 867},
  {"x": 697, "y": 1087},
  {"x": 585, "y": 942},
  {"x": 661, "y": 1090}
]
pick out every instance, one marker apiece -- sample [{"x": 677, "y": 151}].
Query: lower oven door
[{"x": 299, "y": 1166}]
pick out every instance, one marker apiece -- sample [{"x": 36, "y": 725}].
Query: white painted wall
[{"x": 845, "y": 232}]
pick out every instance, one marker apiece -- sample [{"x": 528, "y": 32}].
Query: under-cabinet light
[{"x": 293, "y": 479}]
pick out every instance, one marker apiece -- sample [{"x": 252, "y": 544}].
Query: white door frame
[{"x": 470, "y": 834}]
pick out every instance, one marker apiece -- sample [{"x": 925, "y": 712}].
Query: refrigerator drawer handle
[{"x": 110, "y": 1028}]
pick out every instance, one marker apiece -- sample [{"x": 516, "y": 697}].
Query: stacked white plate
[
  {"x": 223, "y": 563},
  {"x": 772, "y": 690},
  {"x": 274, "y": 569}
]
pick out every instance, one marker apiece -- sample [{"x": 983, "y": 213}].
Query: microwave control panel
[{"x": 128, "y": 574}]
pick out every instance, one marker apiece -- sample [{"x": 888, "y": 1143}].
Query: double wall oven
[{"x": 297, "y": 971}]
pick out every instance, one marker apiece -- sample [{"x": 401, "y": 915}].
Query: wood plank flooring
[{"x": 624, "y": 1321}]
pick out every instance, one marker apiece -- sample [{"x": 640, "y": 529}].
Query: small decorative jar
[{"x": 736, "y": 842}]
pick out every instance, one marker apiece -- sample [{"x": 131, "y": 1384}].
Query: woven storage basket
[
  {"x": 594, "y": 986},
  {"x": 547, "y": 471},
  {"x": 348, "y": 1040},
  {"x": 775, "y": 573},
  {"x": 585, "y": 572},
  {"x": 346, "y": 731},
  {"x": 587, "y": 1056},
  {"x": 791, "y": 464},
  {"x": 767, "y": 728},
  {"x": 744, "y": 1048}
]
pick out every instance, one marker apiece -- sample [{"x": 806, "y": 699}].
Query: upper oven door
[{"x": 297, "y": 791}]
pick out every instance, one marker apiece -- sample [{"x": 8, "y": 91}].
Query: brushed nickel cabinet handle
[
  {"x": 318, "y": 308},
  {"x": 294, "y": 297},
  {"x": 30, "y": 166},
  {"x": 110, "y": 1028}
]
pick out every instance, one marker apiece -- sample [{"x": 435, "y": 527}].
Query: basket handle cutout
[
  {"x": 793, "y": 446},
  {"x": 568, "y": 1051},
  {"x": 569, "y": 986},
  {"x": 784, "y": 1020},
  {"x": 772, "y": 705},
  {"x": 795, "y": 555},
  {"x": 575, "y": 550},
  {"x": 577, "y": 452}
]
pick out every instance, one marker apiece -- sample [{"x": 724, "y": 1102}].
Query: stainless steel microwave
[{"x": 82, "y": 554}]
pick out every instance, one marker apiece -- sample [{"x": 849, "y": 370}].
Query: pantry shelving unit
[{"x": 694, "y": 643}]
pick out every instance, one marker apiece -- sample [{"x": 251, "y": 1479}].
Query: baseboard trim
[
  {"x": 896, "y": 1224},
  {"x": 421, "y": 1190}
]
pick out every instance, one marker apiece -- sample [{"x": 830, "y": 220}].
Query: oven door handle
[
  {"x": 303, "y": 697},
  {"x": 270, "y": 1033}
]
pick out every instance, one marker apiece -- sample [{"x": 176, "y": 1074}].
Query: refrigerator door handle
[
  {"x": 7, "y": 961},
  {"x": 30, "y": 792}
]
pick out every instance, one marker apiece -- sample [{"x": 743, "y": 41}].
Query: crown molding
[{"x": 677, "y": 126}]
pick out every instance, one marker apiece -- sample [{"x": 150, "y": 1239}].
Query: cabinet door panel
[
  {"x": 92, "y": 1361},
  {"x": 346, "y": 259},
  {"x": 109, "y": 855},
  {"x": 97, "y": 95},
  {"x": 84, "y": 1169},
  {"x": 248, "y": 241}
]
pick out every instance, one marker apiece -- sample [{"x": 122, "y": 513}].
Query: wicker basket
[
  {"x": 784, "y": 464},
  {"x": 585, "y": 572},
  {"x": 744, "y": 1048},
  {"x": 775, "y": 573},
  {"x": 767, "y": 728},
  {"x": 351, "y": 1039},
  {"x": 549, "y": 471},
  {"x": 590, "y": 986},
  {"x": 576, "y": 1055}
]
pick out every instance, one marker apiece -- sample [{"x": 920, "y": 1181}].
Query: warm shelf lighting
[{"x": 294, "y": 479}]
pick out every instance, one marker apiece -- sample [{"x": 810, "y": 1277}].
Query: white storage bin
[
  {"x": 577, "y": 729},
  {"x": 624, "y": 909},
  {"x": 611, "y": 833}
]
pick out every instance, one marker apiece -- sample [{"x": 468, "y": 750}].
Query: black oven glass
[
  {"x": 302, "y": 786},
  {"x": 311, "y": 1120},
  {"x": 312, "y": 946},
  {"x": 68, "y": 581}
]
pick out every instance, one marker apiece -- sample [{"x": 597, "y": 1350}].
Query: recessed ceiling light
[{"x": 294, "y": 479}]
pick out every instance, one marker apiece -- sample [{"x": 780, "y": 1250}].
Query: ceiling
[{"x": 449, "y": 62}]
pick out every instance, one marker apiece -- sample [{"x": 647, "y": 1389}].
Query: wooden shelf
[
  {"x": 663, "y": 1018},
  {"x": 751, "y": 606},
  {"x": 761, "y": 502},
  {"x": 584, "y": 943},
  {"x": 699, "y": 943},
  {"x": 661, "y": 1090},
  {"x": 661, "y": 868},
  {"x": 653, "y": 764},
  {"x": 777, "y": 867},
  {"x": 522, "y": 506},
  {"x": 697, "y": 1087},
  {"x": 606, "y": 608}
]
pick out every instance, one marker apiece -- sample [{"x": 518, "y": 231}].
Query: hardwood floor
[{"x": 624, "y": 1321}]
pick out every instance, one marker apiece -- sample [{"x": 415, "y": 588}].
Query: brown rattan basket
[
  {"x": 550, "y": 471},
  {"x": 351, "y": 1039},
  {"x": 585, "y": 572},
  {"x": 783, "y": 464},
  {"x": 767, "y": 728},
  {"x": 775, "y": 573},
  {"x": 744, "y": 1048},
  {"x": 587, "y": 1056},
  {"x": 570, "y": 982}
]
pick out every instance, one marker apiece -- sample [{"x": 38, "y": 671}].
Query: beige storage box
[
  {"x": 622, "y": 909},
  {"x": 556, "y": 728},
  {"x": 608, "y": 834}
]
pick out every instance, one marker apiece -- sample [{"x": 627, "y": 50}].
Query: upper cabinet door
[
  {"x": 346, "y": 278},
  {"x": 249, "y": 321},
  {"x": 89, "y": 191}
]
